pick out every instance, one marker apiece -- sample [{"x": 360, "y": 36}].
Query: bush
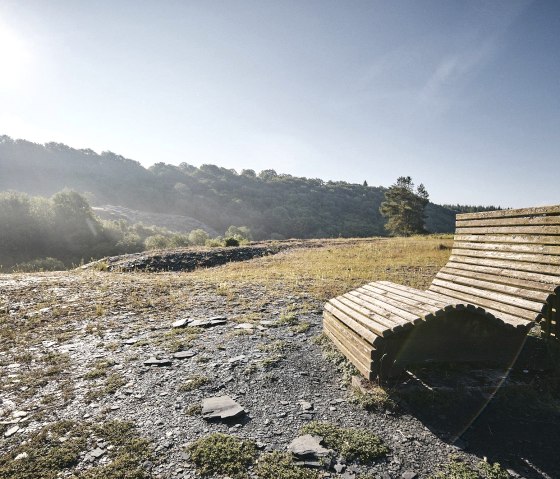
[
  {"x": 40, "y": 264},
  {"x": 198, "y": 237},
  {"x": 231, "y": 242},
  {"x": 156, "y": 242}
]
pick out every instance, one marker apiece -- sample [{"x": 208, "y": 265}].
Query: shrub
[
  {"x": 198, "y": 237},
  {"x": 231, "y": 242},
  {"x": 40, "y": 264}
]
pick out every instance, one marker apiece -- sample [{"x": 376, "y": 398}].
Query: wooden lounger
[{"x": 503, "y": 276}]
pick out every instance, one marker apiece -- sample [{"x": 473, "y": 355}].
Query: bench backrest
[{"x": 506, "y": 261}]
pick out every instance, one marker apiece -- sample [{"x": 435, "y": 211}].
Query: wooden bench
[{"x": 502, "y": 277}]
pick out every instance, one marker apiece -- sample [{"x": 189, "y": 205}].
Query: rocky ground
[{"x": 96, "y": 347}]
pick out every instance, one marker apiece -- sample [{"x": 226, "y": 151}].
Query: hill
[{"x": 272, "y": 205}]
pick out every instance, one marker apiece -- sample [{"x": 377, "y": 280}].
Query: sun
[{"x": 14, "y": 58}]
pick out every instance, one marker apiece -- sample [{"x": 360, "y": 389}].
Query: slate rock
[
  {"x": 308, "y": 447},
  {"x": 184, "y": 354},
  {"x": 208, "y": 323},
  {"x": 181, "y": 323},
  {"x": 97, "y": 453},
  {"x": 409, "y": 475},
  {"x": 157, "y": 362},
  {"x": 10, "y": 432},
  {"x": 221, "y": 407}
]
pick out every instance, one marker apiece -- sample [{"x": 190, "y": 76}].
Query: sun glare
[{"x": 14, "y": 58}]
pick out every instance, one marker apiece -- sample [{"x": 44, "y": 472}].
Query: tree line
[
  {"x": 271, "y": 204},
  {"x": 41, "y": 233}
]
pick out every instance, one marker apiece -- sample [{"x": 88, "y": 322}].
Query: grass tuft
[
  {"x": 223, "y": 454},
  {"x": 279, "y": 465},
  {"x": 352, "y": 444}
]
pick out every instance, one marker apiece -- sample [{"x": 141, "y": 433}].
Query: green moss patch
[
  {"x": 58, "y": 448},
  {"x": 223, "y": 454},
  {"x": 278, "y": 465},
  {"x": 350, "y": 443}
]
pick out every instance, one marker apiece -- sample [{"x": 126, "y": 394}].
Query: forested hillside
[{"x": 272, "y": 205}]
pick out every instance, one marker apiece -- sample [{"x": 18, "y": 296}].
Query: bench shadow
[{"x": 510, "y": 415}]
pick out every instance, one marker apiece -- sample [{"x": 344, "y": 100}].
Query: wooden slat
[
  {"x": 360, "y": 348},
  {"x": 535, "y": 306},
  {"x": 510, "y": 320},
  {"x": 539, "y": 210},
  {"x": 499, "y": 279},
  {"x": 403, "y": 291},
  {"x": 384, "y": 308},
  {"x": 509, "y": 247},
  {"x": 364, "y": 369},
  {"x": 356, "y": 305},
  {"x": 551, "y": 280},
  {"x": 524, "y": 230},
  {"x": 352, "y": 324},
  {"x": 436, "y": 296},
  {"x": 495, "y": 286},
  {"x": 518, "y": 239},
  {"x": 527, "y": 257},
  {"x": 486, "y": 303},
  {"x": 518, "y": 221},
  {"x": 413, "y": 313},
  {"x": 411, "y": 303},
  {"x": 513, "y": 265}
]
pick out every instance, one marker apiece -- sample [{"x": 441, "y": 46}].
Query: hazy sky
[{"x": 463, "y": 96}]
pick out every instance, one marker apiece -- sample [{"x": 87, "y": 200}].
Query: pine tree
[{"x": 404, "y": 207}]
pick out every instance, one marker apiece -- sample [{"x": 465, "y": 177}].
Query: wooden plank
[
  {"x": 515, "y": 221},
  {"x": 527, "y": 257},
  {"x": 511, "y": 238},
  {"x": 365, "y": 370},
  {"x": 512, "y": 265},
  {"x": 359, "y": 347},
  {"x": 535, "y": 306},
  {"x": 356, "y": 304},
  {"x": 384, "y": 308},
  {"x": 409, "y": 300},
  {"x": 539, "y": 210},
  {"x": 339, "y": 309},
  {"x": 486, "y": 303},
  {"x": 351, "y": 323},
  {"x": 551, "y": 280},
  {"x": 414, "y": 313},
  {"x": 499, "y": 279},
  {"x": 524, "y": 230},
  {"x": 404, "y": 291},
  {"x": 509, "y": 247},
  {"x": 444, "y": 302},
  {"x": 495, "y": 286},
  {"x": 509, "y": 319}
]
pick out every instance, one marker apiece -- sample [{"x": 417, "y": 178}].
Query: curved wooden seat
[{"x": 504, "y": 267}]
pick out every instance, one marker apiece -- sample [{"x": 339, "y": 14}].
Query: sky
[{"x": 464, "y": 96}]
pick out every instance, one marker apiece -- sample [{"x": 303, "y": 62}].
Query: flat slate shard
[
  {"x": 181, "y": 323},
  {"x": 184, "y": 354},
  {"x": 208, "y": 323},
  {"x": 308, "y": 449},
  {"x": 157, "y": 362},
  {"x": 221, "y": 407}
]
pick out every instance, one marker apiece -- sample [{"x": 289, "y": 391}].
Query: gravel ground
[{"x": 265, "y": 357}]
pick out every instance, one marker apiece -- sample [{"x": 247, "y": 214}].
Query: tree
[
  {"x": 404, "y": 207},
  {"x": 198, "y": 237}
]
